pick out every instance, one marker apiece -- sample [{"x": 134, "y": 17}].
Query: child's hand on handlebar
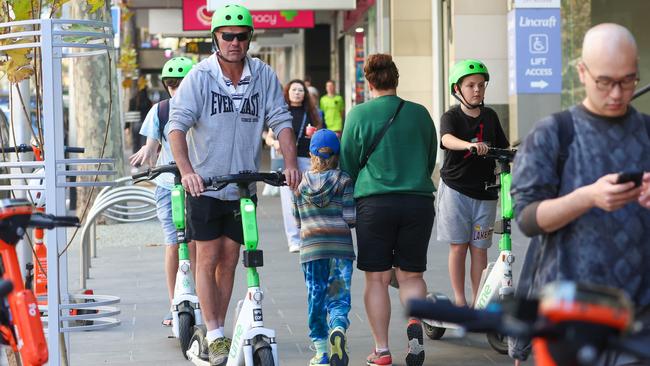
[
  {"x": 193, "y": 184},
  {"x": 481, "y": 148}
]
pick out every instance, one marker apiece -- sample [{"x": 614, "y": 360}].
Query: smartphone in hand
[{"x": 630, "y": 176}]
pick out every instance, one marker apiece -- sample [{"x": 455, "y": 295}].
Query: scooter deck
[{"x": 196, "y": 360}]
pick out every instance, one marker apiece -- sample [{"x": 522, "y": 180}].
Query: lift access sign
[{"x": 534, "y": 51}]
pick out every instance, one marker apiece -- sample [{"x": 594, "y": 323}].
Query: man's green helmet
[
  {"x": 464, "y": 68},
  {"x": 231, "y": 16},
  {"x": 177, "y": 67}
]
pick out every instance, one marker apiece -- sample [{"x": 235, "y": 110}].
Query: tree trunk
[{"x": 95, "y": 109}]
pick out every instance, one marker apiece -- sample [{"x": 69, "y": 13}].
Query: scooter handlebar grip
[
  {"x": 442, "y": 310},
  {"x": 141, "y": 174},
  {"x": 74, "y": 149},
  {"x": 5, "y": 288}
]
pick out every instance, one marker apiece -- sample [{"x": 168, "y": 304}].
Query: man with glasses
[
  {"x": 587, "y": 225},
  {"x": 223, "y": 105}
]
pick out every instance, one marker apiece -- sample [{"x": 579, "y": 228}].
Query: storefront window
[
  {"x": 577, "y": 17},
  {"x": 576, "y": 20}
]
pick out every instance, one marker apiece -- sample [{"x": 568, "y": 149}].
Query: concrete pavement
[{"x": 130, "y": 265}]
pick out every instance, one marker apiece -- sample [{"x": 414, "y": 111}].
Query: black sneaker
[{"x": 415, "y": 355}]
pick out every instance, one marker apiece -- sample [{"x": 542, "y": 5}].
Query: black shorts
[
  {"x": 209, "y": 218},
  {"x": 393, "y": 230}
]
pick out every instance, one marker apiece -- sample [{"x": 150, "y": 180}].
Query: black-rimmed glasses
[{"x": 605, "y": 83}]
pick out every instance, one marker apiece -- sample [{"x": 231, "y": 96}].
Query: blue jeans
[{"x": 328, "y": 292}]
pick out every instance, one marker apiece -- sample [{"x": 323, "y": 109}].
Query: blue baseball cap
[{"x": 324, "y": 138}]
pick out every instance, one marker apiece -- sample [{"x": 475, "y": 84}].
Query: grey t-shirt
[{"x": 608, "y": 248}]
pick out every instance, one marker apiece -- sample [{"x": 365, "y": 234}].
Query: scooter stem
[{"x": 251, "y": 238}]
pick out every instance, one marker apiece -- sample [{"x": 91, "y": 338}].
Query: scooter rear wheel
[
  {"x": 185, "y": 331},
  {"x": 498, "y": 342},
  {"x": 432, "y": 332},
  {"x": 198, "y": 346}
]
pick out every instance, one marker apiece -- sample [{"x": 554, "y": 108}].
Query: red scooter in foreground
[{"x": 21, "y": 327}]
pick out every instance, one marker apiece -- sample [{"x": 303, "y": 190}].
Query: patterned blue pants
[{"x": 328, "y": 292}]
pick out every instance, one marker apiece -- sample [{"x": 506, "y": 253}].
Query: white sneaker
[{"x": 294, "y": 248}]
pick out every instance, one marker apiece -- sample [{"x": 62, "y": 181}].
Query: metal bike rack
[
  {"x": 58, "y": 39},
  {"x": 97, "y": 313},
  {"x": 108, "y": 200}
]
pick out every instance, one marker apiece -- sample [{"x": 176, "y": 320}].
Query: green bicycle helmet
[
  {"x": 464, "y": 68},
  {"x": 231, "y": 16},
  {"x": 177, "y": 67}
]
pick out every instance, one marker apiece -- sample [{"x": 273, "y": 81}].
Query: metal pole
[
  {"x": 55, "y": 196},
  {"x": 93, "y": 242},
  {"x": 21, "y": 134}
]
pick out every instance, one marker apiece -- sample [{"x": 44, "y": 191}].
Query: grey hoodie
[{"x": 221, "y": 139}]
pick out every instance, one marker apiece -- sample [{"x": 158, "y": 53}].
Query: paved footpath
[{"x": 130, "y": 265}]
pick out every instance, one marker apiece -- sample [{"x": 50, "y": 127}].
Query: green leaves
[
  {"x": 18, "y": 65},
  {"x": 96, "y": 5},
  {"x": 25, "y": 9}
]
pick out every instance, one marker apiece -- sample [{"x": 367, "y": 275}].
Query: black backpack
[
  {"x": 163, "y": 117},
  {"x": 566, "y": 132}
]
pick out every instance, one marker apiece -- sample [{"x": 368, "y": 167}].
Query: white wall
[{"x": 479, "y": 30}]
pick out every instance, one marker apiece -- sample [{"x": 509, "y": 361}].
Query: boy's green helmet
[
  {"x": 177, "y": 67},
  {"x": 231, "y": 16},
  {"x": 464, "y": 68}
]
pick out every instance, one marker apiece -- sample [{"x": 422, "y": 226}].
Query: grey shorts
[
  {"x": 461, "y": 219},
  {"x": 163, "y": 198}
]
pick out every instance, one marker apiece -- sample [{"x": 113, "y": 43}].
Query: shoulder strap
[
  {"x": 646, "y": 118},
  {"x": 381, "y": 134},
  {"x": 566, "y": 131},
  {"x": 163, "y": 117}
]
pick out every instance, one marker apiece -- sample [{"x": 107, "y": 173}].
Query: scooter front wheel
[
  {"x": 185, "y": 330},
  {"x": 263, "y": 356},
  {"x": 498, "y": 342}
]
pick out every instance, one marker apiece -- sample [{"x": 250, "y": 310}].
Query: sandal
[{"x": 167, "y": 320}]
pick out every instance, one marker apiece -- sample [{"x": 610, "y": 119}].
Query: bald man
[{"x": 586, "y": 226}]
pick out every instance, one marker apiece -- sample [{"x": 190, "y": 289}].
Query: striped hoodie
[{"x": 323, "y": 206}]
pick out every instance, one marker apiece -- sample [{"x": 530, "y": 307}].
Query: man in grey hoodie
[{"x": 223, "y": 106}]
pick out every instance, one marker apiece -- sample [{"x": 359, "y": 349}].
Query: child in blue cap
[{"x": 323, "y": 206}]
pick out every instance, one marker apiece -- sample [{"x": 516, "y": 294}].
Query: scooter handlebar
[
  {"x": 23, "y": 148},
  {"x": 154, "y": 172},
  {"x": 496, "y": 153},
  {"x": 443, "y": 310},
  {"x": 246, "y": 177},
  {"x": 51, "y": 221}
]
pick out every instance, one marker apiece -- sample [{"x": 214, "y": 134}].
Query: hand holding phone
[{"x": 630, "y": 176}]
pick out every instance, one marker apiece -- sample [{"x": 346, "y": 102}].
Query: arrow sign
[{"x": 541, "y": 84}]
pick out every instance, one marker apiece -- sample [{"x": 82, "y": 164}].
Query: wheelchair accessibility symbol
[{"x": 538, "y": 43}]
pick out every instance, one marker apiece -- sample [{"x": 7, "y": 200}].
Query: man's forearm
[
  {"x": 554, "y": 214},
  {"x": 288, "y": 147},
  {"x": 178, "y": 145}
]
